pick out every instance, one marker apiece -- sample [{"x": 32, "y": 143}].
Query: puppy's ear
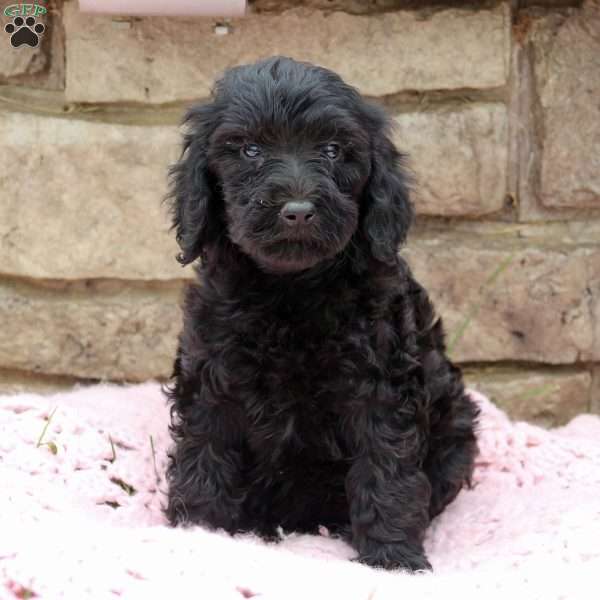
[
  {"x": 388, "y": 212},
  {"x": 194, "y": 195}
]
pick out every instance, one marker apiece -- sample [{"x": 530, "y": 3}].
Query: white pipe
[{"x": 197, "y": 8}]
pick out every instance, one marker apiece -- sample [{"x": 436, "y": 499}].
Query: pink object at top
[{"x": 195, "y": 8}]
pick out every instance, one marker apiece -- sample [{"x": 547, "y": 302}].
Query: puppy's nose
[{"x": 298, "y": 213}]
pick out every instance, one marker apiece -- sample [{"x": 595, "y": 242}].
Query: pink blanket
[{"x": 80, "y": 516}]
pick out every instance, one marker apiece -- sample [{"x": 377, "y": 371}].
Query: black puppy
[{"x": 310, "y": 386}]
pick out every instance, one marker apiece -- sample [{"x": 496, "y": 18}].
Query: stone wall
[{"x": 496, "y": 103}]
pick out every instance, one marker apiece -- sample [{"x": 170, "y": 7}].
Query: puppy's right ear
[{"x": 193, "y": 192}]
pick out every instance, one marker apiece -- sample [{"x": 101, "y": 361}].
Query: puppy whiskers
[{"x": 261, "y": 201}]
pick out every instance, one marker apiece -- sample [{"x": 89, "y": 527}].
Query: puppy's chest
[
  {"x": 319, "y": 359},
  {"x": 307, "y": 378}
]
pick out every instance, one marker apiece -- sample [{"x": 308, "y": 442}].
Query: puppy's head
[{"x": 288, "y": 163}]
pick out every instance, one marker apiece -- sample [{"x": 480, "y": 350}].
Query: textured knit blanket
[{"x": 81, "y": 488}]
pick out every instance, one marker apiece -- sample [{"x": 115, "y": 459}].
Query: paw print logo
[{"x": 24, "y": 31}]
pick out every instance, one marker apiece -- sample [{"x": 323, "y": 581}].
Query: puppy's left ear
[{"x": 388, "y": 211}]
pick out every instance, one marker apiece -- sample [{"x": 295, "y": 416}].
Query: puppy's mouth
[{"x": 291, "y": 254}]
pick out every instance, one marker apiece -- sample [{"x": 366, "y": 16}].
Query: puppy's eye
[
  {"x": 331, "y": 151},
  {"x": 251, "y": 150}
]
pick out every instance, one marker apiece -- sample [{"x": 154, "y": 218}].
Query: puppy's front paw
[
  {"x": 268, "y": 533},
  {"x": 200, "y": 510},
  {"x": 394, "y": 556}
]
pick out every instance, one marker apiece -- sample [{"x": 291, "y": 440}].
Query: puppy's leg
[
  {"x": 389, "y": 498},
  {"x": 205, "y": 469},
  {"x": 452, "y": 450},
  {"x": 203, "y": 484},
  {"x": 452, "y": 414}
]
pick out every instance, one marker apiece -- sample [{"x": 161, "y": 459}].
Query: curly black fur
[{"x": 310, "y": 385}]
